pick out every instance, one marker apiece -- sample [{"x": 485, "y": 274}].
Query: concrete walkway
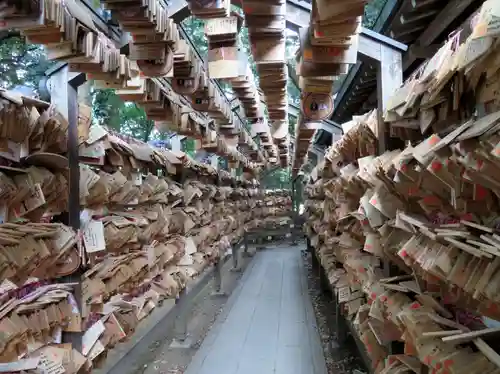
[{"x": 268, "y": 324}]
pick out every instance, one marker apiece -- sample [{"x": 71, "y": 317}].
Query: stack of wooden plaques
[
  {"x": 36, "y": 248},
  {"x": 210, "y": 8},
  {"x": 327, "y": 49},
  {"x": 430, "y": 211},
  {"x": 67, "y": 31},
  {"x": 209, "y": 99},
  {"x": 281, "y": 137},
  {"x": 187, "y": 70},
  {"x": 154, "y": 39},
  {"x": 153, "y": 34},
  {"x": 260, "y": 128},
  {"x": 426, "y": 210},
  {"x": 461, "y": 77},
  {"x": 248, "y": 95},
  {"x": 28, "y": 316},
  {"x": 146, "y": 237},
  {"x": 266, "y": 29},
  {"x": 167, "y": 108},
  {"x": 304, "y": 131},
  {"x": 225, "y": 59},
  {"x": 34, "y": 185},
  {"x": 336, "y": 27}
]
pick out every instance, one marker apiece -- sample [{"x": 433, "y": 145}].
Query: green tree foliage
[
  {"x": 189, "y": 147},
  {"x": 195, "y": 28},
  {"x": 126, "y": 118},
  {"x": 20, "y": 63},
  {"x": 372, "y": 11},
  {"x": 276, "y": 178}
]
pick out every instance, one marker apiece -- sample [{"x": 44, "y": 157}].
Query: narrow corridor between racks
[{"x": 268, "y": 324}]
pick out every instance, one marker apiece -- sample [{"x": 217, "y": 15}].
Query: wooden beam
[
  {"x": 441, "y": 22},
  {"x": 423, "y": 52},
  {"x": 101, "y": 23},
  {"x": 389, "y": 78},
  {"x": 418, "y": 4},
  {"x": 383, "y": 40},
  {"x": 412, "y": 18},
  {"x": 298, "y": 13},
  {"x": 178, "y": 10},
  {"x": 390, "y": 9}
]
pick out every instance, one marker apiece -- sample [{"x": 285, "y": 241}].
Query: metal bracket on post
[
  {"x": 246, "y": 252},
  {"x": 181, "y": 339},
  {"x": 219, "y": 291},
  {"x": 339, "y": 321},
  {"x": 236, "y": 259},
  {"x": 260, "y": 243},
  {"x": 293, "y": 230}
]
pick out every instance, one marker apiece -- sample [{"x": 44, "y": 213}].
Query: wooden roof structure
[{"x": 421, "y": 24}]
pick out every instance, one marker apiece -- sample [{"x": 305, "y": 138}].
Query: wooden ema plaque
[{"x": 317, "y": 106}]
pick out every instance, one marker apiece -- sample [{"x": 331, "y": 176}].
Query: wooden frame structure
[
  {"x": 373, "y": 46},
  {"x": 386, "y": 54},
  {"x": 397, "y": 18}
]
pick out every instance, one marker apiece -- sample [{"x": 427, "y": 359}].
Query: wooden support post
[
  {"x": 63, "y": 87},
  {"x": 235, "y": 256},
  {"x": 219, "y": 290},
  {"x": 181, "y": 339},
  {"x": 389, "y": 78}
]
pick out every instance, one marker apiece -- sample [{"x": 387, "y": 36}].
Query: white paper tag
[
  {"x": 150, "y": 252},
  {"x": 190, "y": 247},
  {"x": 57, "y": 335},
  {"x": 93, "y": 237},
  {"x": 85, "y": 217},
  {"x": 137, "y": 178}
]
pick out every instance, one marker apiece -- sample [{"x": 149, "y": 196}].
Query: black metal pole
[{"x": 75, "y": 338}]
